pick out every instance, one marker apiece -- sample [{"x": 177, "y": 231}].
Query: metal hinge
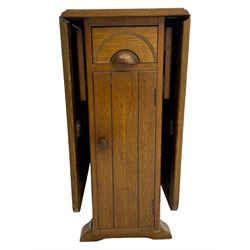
[
  {"x": 78, "y": 128},
  {"x": 171, "y": 127}
]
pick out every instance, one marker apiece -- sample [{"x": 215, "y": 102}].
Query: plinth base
[{"x": 88, "y": 235}]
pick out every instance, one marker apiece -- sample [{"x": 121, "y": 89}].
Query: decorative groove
[
  {"x": 139, "y": 159},
  {"x": 125, "y": 33},
  {"x": 113, "y": 169}
]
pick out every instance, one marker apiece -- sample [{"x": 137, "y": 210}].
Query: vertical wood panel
[
  {"x": 80, "y": 62},
  {"x": 168, "y": 61},
  {"x": 159, "y": 96},
  {"x": 125, "y": 148},
  {"x": 147, "y": 85},
  {"x": 103, "y": 130}
]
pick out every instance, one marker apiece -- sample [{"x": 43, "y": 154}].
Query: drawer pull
[{"x": 125, "y": 57}]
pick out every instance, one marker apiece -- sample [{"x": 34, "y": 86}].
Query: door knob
[{"x": 102, "y": 143}]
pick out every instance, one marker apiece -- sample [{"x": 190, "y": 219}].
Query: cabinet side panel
[
  {"x": 90, "y": 98},
  {"x": 158, "y": 127},
  {"x": 125, "y": 148},
  {"x": 147, "y": 88},
  {"x": 103, "y": 130}
]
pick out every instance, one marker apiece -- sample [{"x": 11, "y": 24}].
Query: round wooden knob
[
  {"x": 102, "y": 143},
  {"x": 125, "y": 57}
]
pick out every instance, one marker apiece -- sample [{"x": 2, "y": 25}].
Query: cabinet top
[{"x": 124, "y": 12}]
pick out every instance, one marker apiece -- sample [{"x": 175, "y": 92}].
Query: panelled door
[{"x": 124, "y": 106}]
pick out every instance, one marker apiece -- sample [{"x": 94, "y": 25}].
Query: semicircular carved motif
[{"x": 128, "y": 41}]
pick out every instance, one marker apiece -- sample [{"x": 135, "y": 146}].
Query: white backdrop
[{"x": 35, "y": 201}]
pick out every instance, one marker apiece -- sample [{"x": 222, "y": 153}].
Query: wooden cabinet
[{"x": 125, "y": 76}]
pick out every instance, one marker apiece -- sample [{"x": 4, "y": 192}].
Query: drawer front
[{"x": 109, "y": 41}]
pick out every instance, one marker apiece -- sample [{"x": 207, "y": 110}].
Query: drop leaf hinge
[
  {"x": 78, "y": 128},
  {"x": 171, "y": 127}
]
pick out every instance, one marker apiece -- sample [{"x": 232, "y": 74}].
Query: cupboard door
[
  {"x": 77, "y": 115},
  {"x": 125, "y": 116}
]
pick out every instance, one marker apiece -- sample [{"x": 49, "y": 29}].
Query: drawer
[{"x": 139, "y": 42}]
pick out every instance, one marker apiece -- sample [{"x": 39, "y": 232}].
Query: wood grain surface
[
  {"x": 79, "y": 163},
  {"x": 168, "y": 61},
  {"x": 180, "y": 105},
  {"x": 125, "y": 12},
  {"x": 103, "y": 130},
  {"x": 81, "y": 64},
  {"x": 125, "y": 147},
  {"x": 147, "y": 113}
]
